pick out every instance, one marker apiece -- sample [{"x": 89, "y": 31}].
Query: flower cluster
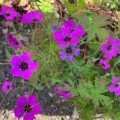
[
  {"x": 9, "y": 13},
  {"x": 66, "y": 94},
  {"x": 23, "y": 65},
  {"x": 13, "y": 41},
  {"x": 32, "y": 17},
  {"x": 110, "y": 50},
  {"x": 68, "y": 38},
  {"x": 27, "y": 107},
  {"x": 115, "y": 87}
]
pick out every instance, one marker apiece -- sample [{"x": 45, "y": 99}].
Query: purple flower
[
  {"x": 32, "y": 17},
  {"x": 115, "y": 87},
  {"x": 27, "y": 107},
  {"x": 104, "y": 64},
  {"x": 111, "y": 48},
  {"x": 69, "y": 23},
  {"x": 9, "y": 13},
  {"x": 69, "y": 52},
  {"x": 7, "y": 87},
  {"x": 66, "y": 94},
  {"x": 13, "y": 42},
  {"x": 69, "y": 34},
  {"x": 23, "y": 66}
]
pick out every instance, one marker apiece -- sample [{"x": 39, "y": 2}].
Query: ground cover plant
[{"x": 71, "y": 46}]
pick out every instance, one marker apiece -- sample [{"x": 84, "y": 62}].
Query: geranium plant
[{"x": 76, "y": 53}]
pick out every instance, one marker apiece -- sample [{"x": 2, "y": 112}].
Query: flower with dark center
[
  {"x": 32, "y": 17},
  {"x": 69, "y": 33},
  {"x": 111, "y": 48},
  {"x": 13, "y": 41},
  {"x": 67, "y": 39},
  {"x": 104, "y": 64},
  {"x": 69, "y": 52},
  {"x": 7, "y": 87},
  {"x": 27, "y": 107},
  {"x": 66, "y": 94},
  {"x": 9, "y": 13},
  {"x": 23, "y": 66},
  {"x": 35, "y": 20},
  {"x": 115, "y": 86}
]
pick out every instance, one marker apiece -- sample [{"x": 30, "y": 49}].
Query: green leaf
[
  {"x": 45, "y": 6},
  {"x": 95, "y": 26},
  {"x": 73, "y": 9},
  {"x": 8, "y": 55},
  {"x": 94, "y": 44}
]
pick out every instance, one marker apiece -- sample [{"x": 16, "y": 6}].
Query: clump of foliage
[{"x": 77, "y": 54}]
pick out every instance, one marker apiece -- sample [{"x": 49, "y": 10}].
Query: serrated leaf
[
  {"x": 45, "y": 6},
  {"x": 74, "y": 8},
  {"x": 95, "y": 27}
]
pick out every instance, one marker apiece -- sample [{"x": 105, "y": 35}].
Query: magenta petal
[
  {"x": 115, "y": 80},
  {"x": 40, "y": 17},
  {"x": 56, "y": 86},
  {"x": 25, "y": 57},
  {"x": 33, "y": 65},
  {"x": 19, "y": 112},
  {"x": 57, "y": 36},
  {"x": 15, "y": 71},
  {"x": 5, "y": 88},
  {"x": 67, "y": 95},
  {"x": 27, "y": 74},
  {"x": 111, "y": 88},
  {"x": 79, "y": 31},
  {"x": 29, "y": 116},
  {"x": 115, "y": 51},
  {"x": 108, "y": 55},
  {"x": 32, "y": 99},
  {"x": 111, "y": 40},
  {"x": 37, "y": 109},
  {"x": 104, "y": 48},
  {"x": 117, "y": 91},
  {"x": 66, "y": 31},
  {"x": 69, "y": 23},
  {"x": 21, "y": 101},
  {"x": 15, "y": 60},
  {"x": 75, "y": 41},
  {"x": 60, "y": 92}
]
